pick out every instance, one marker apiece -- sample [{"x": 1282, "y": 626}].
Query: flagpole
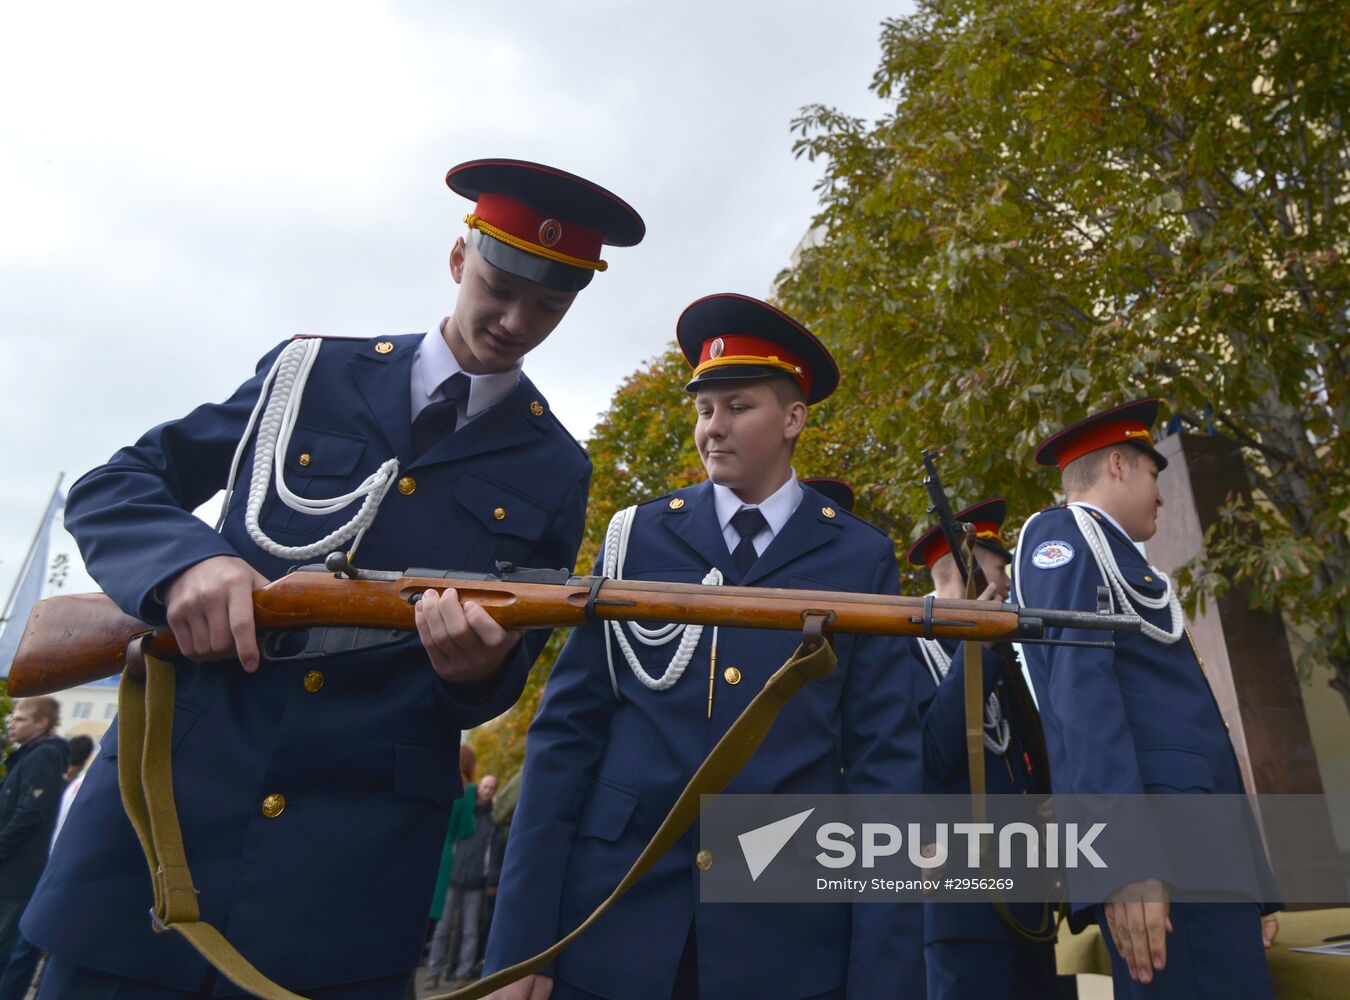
[{"x": 32, "y": 549}]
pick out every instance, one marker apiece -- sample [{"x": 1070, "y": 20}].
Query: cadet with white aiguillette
[
  {"x": 1137, "y": 718},
  {"x": 631, "y": 710},
  {"x": 314, "y": 787}
]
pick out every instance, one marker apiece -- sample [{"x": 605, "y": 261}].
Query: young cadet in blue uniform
[
  {"x": 968, "y": 950},
  {"x": 610, "y": 749},
  {"x": 1138, "y": 718},
  {"x": 314, "y": 794}
]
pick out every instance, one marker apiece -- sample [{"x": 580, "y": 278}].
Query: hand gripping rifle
[{"x": 75, "y": 639}]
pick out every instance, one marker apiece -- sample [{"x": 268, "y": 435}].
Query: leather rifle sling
[
  {"x": 972, "y": 653},
  {"x": 146, "y": 730},
  {"x": 145, "y": 779}
]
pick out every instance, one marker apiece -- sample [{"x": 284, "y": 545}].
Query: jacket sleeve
[
  {"x": 882, "y": 754},
  {"x": 37, "y": 797},
  {"x": 473, "y": 704},
  {"x": 563, "y": 750},
  {"x": 132, "y": 517}
]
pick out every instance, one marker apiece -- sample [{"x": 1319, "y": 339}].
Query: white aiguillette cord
[
  {"x": 286, "y": 381},
  {"x": 615, "y": 553},
  {"x": 1123, "y": 595}
]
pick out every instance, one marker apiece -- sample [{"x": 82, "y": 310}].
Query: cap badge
[
  {"x": 717, "y": 349},
  {"x": 550, "y": 232},
  {"x": 1052, "y": 555}
]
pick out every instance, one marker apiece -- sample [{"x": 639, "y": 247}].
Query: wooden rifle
[{"x": 75, "y": 639}]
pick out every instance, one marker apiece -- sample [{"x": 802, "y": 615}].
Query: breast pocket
[
  {"x": 318, "y": 464},
  {"x": 507, "y": 524},
  {"x": 840, "y": 641}
]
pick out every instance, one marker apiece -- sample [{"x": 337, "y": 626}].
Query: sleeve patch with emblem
[{"x": 1052, "y": 555}]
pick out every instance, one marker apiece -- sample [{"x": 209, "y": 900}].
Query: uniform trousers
[
  {"x": 1214, "y": 950},
  {"x": 686, "y": 980},
  {"x": 966, "y": 969},
  {"x": 64, "y": 980}
]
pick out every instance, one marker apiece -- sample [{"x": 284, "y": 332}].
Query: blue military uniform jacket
[
  {"x": 600, "y": 775},
  {"x": 1139, "y": 718},
  {"x": 946, "y": 772},
  {"x": 363, "y": 746}
]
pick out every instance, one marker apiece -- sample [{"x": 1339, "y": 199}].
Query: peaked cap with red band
[
  {"x": 542, "y": 224},
  {"x": 729, "y": 337},
  {"x": 1129, "y": 423},
  {"x": 834, "y": 490},
  {"x": 987, "y": 516}
]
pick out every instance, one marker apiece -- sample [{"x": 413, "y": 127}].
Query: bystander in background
[{"x": 29, "y": 799}]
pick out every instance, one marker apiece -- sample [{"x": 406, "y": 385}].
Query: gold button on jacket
[
  {"x": 732, "y": 675},
  {"x": 313, "y": 681},
  {"x": 273, "y": 805},
  {"x": 703, "y": 860},
  {"x": 304, "y": 458},
  {"x": 500, "y": 513},
  {"x": 407, "y": 486}
]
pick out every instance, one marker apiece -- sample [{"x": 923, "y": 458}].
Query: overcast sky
[{"x": 184, "y": 185}]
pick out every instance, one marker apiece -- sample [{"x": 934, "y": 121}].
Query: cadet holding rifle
[{"x": 314, "y": 793}]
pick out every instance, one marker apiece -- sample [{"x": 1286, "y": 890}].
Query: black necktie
[
  {"x": 437, "y": 420},
  {"x": 748, "y": 522}
]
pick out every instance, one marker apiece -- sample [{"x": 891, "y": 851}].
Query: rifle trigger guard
[
  {"x": 813, "y": 624},
  {"x": 596, "y": 584}
]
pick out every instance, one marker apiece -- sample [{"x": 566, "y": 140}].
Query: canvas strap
[{"x": 145, "y": 744}]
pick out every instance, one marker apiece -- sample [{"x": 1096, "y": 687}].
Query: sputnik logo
[{"x": 762, "y": 844}]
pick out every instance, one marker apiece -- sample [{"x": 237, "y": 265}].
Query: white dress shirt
[
  {"x": 776, "y": 510},
  {"x": 434, "y": 362}
]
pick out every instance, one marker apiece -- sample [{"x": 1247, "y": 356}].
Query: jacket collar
[
  {"x": 694, "y": 521},
  {"x": 385, "y": 379}
]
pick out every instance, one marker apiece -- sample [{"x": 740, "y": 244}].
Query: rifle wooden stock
[{"x": 75, "y": 639}]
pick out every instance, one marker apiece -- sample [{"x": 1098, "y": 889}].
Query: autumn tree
[{"x": 1072, "y": 204}]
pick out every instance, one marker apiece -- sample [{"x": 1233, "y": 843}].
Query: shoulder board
[{"x": 676, "y": 500}]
